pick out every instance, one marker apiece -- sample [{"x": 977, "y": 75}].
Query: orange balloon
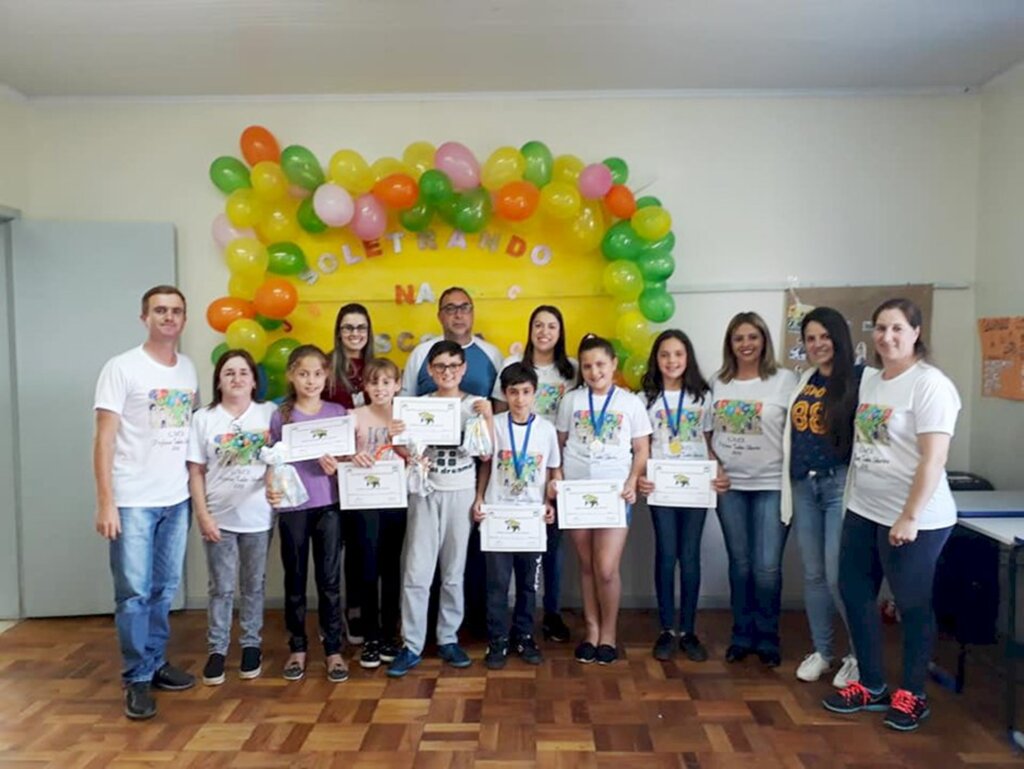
[
  {"x": 516, "y": 201},
  {"x": 276, "y": 298},
  {"x": 258, "y": 144},
  {"x": 620, "y": 201},
  {"x": 224, "y": 311},
  {"x": 397, "y": 191}
]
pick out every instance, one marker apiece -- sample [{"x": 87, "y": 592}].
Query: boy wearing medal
[{"x": 526, "y": 458}]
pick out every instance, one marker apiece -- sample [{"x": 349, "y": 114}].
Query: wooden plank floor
[{"x": 60, "y": 706}]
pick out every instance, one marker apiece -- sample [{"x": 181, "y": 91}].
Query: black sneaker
[
  {"x": 606, "y": 654},
  {"x": 138, "y": 701},
  {"x": 252, "y": 663},
  {"x": 389, "y": 650},
  {"x": 736, "y": 653},
  {"x": 213, "y": 672},
  {"x": 527, "y": 650},
  {"x": 554, "y": 629},
  {"x": 664, "y": 646},
  {"x": 172, "y": 679},
  {"x": 369, "y": 658},
  {"x": 691, "y": 646},
  {"x": 769, "y": 657},
  {"x": 855, "y": 698},
  {"x": 586, "y": 653},
  {"x": 906, "y": 712},
  {"x": 497, "y": 653}
]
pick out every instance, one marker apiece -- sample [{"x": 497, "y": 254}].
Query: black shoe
[
  {"x": 138, "y": 701},
  {"x": 389, "y": 650},
  {"x": 554, "y": 629},
  {"x": 369, "y": 658},
  {"x": 855, "y": 698},
  {"x": 527, "y": 650},
  {"x": 736, "y": 653},
  {"x": 691, "y": 646},
  {"x": 907, "y": 711},
  {"x": 586, "y": 653},
  {"x": 213, "y": 672},
  {"x": 664, "y": 646},
  {"x": 769, "y": 657},
  {"x": 252, "y": 663},
  {"x": 172, "y": 679},
  {"x": 497, "y": 653},
  {"x": 606, "y": 654}
]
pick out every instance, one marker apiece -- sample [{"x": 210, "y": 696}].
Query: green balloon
[
  {"x": 646, "y": 201},
  {"x": 621, "y": 351},
  {"x": 308, "y": 220},
  {"x": 619, "y": 169},
  {"x": 473, "y": 210},
  {"x": 662, "y": 245},
  {"x": 656, "y": 304},
  {"x": 435, "y": 187},
  {"x": 276, "y": 356},
  {"x": 286, "y": 258},
  {"x": 218, "y": 351},
  {"x": 229, "y": 174},
  {"x": 621, "y": 242},
  {"x": 417, "y": 218},
  {"x": 655, "y": 266},
  {"x": 539, "y": 163},
  {"x": 270, "y": 324},
  {"x": 301, "y": 167},
  {"x": 277, "y": 385},
  {"x": 448, "y": 210}
]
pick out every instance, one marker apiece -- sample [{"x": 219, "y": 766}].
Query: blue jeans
[
  {"x": 818, "y": 521},
  {"x": 677, "y": 535},
  {"x": 146, "y": 561},
  {"x": 244, "y": 554},
  {"x": 754, "y": 538}
]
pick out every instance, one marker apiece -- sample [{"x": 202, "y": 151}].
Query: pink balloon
[
  {"x": 458, "y": 162},
  {"x": 594, "y": 181},
  {"x": 370, "y": 219},
  {"x": 333, "y": 205},
  {"x": 224, "y": 231}
]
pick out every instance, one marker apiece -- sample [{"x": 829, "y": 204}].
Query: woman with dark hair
[
  {"x": 750, "y": 394},
  {"x": 900, "y": 512},
  {"x": 816, "y": 452},
  {"x": 556, "y": 375}
]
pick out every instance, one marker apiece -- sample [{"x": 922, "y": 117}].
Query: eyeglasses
[
  {"x": 444, "y": 368},
  {"x": 347, "y": 328},
  {"x": 455, "y": 309}
]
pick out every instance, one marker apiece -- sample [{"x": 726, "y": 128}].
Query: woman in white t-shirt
[
  {"x": 556, "y": 375},
  {"x": 749, "y": 396},
  {"x": 231, "y": 509},
  {"x": 900, "y": 512}
]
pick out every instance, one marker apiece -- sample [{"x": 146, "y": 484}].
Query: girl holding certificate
[
  {"x": 679, "y": 406},
  {"x": 749, "y": 395},
  {"x": 603, "y": 431}
]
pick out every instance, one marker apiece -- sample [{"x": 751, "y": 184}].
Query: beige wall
[{"x": 15, "y": 149}]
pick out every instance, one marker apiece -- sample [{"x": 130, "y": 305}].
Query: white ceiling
[{"x": 55, "y": 48}]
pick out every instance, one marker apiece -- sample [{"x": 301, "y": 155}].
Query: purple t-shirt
[{"x": 322, "y": 488}]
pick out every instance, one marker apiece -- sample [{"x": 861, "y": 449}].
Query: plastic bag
[
  {"x": 419, "y": 467},
  {"x": 476, "y": 441},
  {"x": 283, "y": 477}
]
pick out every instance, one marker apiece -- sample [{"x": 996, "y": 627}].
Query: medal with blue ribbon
[
  {"x": 597, "y": 422},
  {"x": 675, "y": 445},
  {"x": 519, "y": 458}
]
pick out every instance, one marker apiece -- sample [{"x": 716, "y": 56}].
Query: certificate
[
  {"x": 513, "y": 529},
  {"x": 428, "y": 421},
  {"x": 591, "y": 505},
  {"x": 682, "y": 482},
  {"x": 369, "y": 488},
  {"x": 311, "y": 440}
]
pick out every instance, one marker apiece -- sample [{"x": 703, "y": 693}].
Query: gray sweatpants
[
  {"x": 246, "y": 554},
  {"x": 438, "y": 529}
]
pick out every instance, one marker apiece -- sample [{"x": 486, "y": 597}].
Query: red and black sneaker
[
  {"x": 855, "y": 698},
  {"x": 906, "y": 712}
]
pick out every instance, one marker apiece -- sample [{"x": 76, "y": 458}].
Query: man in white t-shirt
[{"x": 144, "y": 403}]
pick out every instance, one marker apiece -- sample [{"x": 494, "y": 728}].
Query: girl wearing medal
[
  {"x": 678, "y": 402},
  {"x": 603, "y": 431}
]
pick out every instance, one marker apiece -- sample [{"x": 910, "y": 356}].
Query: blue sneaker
[
  {"x": 403, "y": 663},
  {"x": 454, "y": 655}
]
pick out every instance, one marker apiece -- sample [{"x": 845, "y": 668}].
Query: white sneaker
[
  {"x": 812, "y": 668},
  {"x": 848, "y": 673}
]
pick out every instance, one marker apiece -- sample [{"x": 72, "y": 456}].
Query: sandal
[
  {"x": 337, "y": 671},
  {"x": 295, "y": 668}
]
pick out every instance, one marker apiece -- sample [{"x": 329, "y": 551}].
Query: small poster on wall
[
  {"x": 1002, "y": 357},
  {"x": 856, "y": 303}
]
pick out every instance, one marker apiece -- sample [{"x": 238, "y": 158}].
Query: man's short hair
[
  {"x": 162, "y": 290},
  {"x": 446, "y": 346},
  {"x": 516, "y": 374},
  {"x": 451, "y": 290}
]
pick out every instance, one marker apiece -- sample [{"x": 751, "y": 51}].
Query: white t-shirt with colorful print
[
  {"x": 891, "y": 414},
  {"x": 551, "y": 386},
  {"x": 541, "y": 453},
  {"x": 695, "y": 420},
  {"x": 749, "y": 419},
  {"x": 608, "y": 454}
]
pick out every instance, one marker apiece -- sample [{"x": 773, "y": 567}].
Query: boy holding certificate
[{"x": 526, "y": 457}]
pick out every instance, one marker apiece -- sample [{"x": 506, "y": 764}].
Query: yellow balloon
[
  {"x": 243, "y": 208},
  {"x": 587, "y": 228},
  {"x": 419, "y": 156},
  {"x": 506, "y": 164},
  {"x": 246, "y": 256},
  {"x": 566, "y": 168},
  {"x": 632, "y": 328},
  {"x": 246, "y": 334},
  {"x": 633, "y": 370},
  {"x": 268, "y": 181},
  {"x": 652, "y": 222},
  {"x": 560, "y": 200},
  {"x": 243, "y": 286},
  {"x": 386, "y": 166},
  {"x": 278, "y": 223},
  {"x": 348, "y": 169}
]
